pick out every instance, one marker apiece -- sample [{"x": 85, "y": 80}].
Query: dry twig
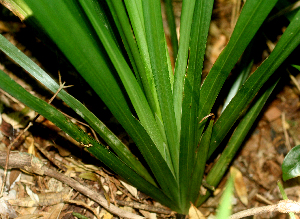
[
  {"x": 145, "y": 207},
  {"x": 284, "y": 206},
  {"x": 34, "y": 165},
  {"x": 286, "y": 135}
]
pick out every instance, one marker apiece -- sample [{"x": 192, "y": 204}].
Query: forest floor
[{"x": 258, "y": 162}]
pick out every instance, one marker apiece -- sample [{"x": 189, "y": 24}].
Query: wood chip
[{"x": 272, "y": 114}]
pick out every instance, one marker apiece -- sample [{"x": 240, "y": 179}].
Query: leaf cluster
[{"x": 119, "y": 48}]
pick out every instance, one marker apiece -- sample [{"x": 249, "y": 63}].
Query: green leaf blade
[
  {"x": 219, "y": 169},
  {"x": 287, "y": 43},
  {"x": 101, "y": 152},
  {"x": 200, "y": 162},
  {"x": 251, "y": 18},
  {"x": 163, "y": 175},
  {"x": 224, "y": 209},
  {"x": 101, "y": 78},
  {"x": 133, "y": 89},
  {"x": 182, "y": 57},
  {"x": 291, "y": 164},
  {"x": 189, "y": 138},
  {"x": 160, "y": 67},
  {"x": 77, "y": 106}
]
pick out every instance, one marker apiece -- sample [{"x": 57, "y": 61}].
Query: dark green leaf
[
  {"x": 59, "y": 20},
  {"x": 120, "y": 149},
  {"x": 100, "y": 151},
  {"x": 160, "y": 63},
  {"x": 297, "y": 67},
  {"x": 188, "y": 8},
  {"x": 287, "y": 43},
  {"x": 134, "y": 91},
  {"x": 135, "y": 13},
  {"x": 217, "y": 172},
  {"x": 190, "y": 104},
  {"x": 252, "y": 16},
  {"x": 200, "y": 163}
]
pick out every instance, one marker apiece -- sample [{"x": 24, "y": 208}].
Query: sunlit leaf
[{"x": 291, "y": 164}]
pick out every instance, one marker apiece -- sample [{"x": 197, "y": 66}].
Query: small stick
[
  {"x": 86, "y": 125},
  {"x": 286, "y": 135},
  {"x": 145, "y": 207},
  {"x": 49, "y": 157},
  {"x": 205, "y": 117},
  {"x": 261, "y": 198},
  {"x": 284, "y": 206},
  {"x": 33, "y": 164},
  {"x": 295, "y": 81}
]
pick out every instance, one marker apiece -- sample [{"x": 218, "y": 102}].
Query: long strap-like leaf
[
  {"x": 139, "y": 101},
  {"x": 133, "y": 89},
  {"x": 217, "y": 172},
  {"x": 59, "y": 20},
  {"x": 186, "y": 20},
  {"x": 160, "y": 63},
  {"x": 251, "y": 18},
  {"x": 190, "y": 103},
  {"x": 112, "y": 140},
  {"x": 100, "y": 151},
  {"x": 287, "y": 43}
]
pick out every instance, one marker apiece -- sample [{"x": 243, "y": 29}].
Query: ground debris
[{"x": 45, "y": 199}]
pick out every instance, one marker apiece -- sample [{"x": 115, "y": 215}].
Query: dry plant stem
[
  {"x": 205, "y": 117},
  {"x": 49, "y": 157},
  {"x": 82, "y": 123},
  {"x": 294, "y": 81},
  {"x": 286, "y": 135},
  {"x": 284, "y": 206},
  {"x": 263, "y": 199},
  {"x": 145, "y": 207},
  {"x": 45, "y": 199},
  {"x": 34, "y": 165}
]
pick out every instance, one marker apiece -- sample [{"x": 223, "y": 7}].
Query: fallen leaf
[
  {"x": 62, "y": 151},
  {"x": 239, "y": 185},
  {"x": 194, "y": 213},
  {"x": 89, "y": 176},
  {"x": 131, "y": 189},
  {"x": 34, "y": 197},
  {"x": 105, "y": 214},
  {"x": 29, "y": 141},
  {"x": 55, "y": 211},
  {"x": 148, "y": 214},
  {"x": 14, "y": 177}
]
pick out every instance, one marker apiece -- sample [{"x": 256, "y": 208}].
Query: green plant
[
  {"x": 291, "y": 164},
  {"x": 119, "y": 48},
  {"x": 224, "y": 209}
]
